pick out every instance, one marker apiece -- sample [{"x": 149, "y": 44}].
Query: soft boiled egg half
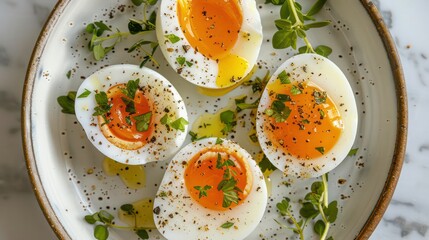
[
  {"x": 212, "y": 189},
  {"x": 307, "y": 116},
  {"x": 132, "y": 115},
  {"x": 210, "y": 43}
]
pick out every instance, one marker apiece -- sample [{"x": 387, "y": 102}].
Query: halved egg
[
  {"x": 132, "y": 115},
  {"x": 210, "y": 43},
  {"x": 307, "y": 116},
  {"x": 212, "y": 189}
]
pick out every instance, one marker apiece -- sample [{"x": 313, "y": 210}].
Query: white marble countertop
[{"x": 407, "y": 217}]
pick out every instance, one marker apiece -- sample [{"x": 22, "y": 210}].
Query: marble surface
[{"x": 407, "y": 217}]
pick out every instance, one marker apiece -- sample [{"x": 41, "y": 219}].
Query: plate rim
[{"x": 390, "y": 182}]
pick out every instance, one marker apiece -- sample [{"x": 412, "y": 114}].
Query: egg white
[
  {"x": 177, "y": 216},
  {"x": 158, "y": 89},
  {"x": 204, "y": 71},
  {"x": 325, "y": 74}
]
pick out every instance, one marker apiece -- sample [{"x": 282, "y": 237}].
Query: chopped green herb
[
  {"x": 103, "y": 107},
  {"x": 68, "y": 74},
  {"x": 143, "y": 121},
  {"x": 178, "y": 124},
  {"x": 227, "y": 225},
  {"x": 202, "y": 190},
  {"x": 321, "y": 150},
  {"x": 279, "y": 111},
  {"x": 242, "y": 105},
  {"x": 283, "y": 97},
  {"x": 181, "y": 60},
  {"x": 353, "y": 152},
  {"x": 295, "y": 90},
  {"x": 219, "y": 141},
  {"x": 322, "y": 114},
  {"x": 258, "y": 84},
  {"x": 284, "y": 77},
  {"x": 194, "y": 136},
  {"x": 266, "y": 165},
  {"x": 228, "y": 118},
  {"x": 253, "y": 137},
  {"x": 320, "y": 97},
  {"x": 85, "y": 94},
  {"x": 172, "y": 38}
]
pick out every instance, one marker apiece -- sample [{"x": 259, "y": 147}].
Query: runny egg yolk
[
  {"x": 203, "y": 173},
  {"x": 314, "y": 124},
  {"x": 121, "y": 124},
  {"x": 212, "y": 27}
]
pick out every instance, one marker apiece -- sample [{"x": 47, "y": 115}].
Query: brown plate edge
[
  {"x": 31, "y": 74},
  {"x": 391, "y": 181},
  {"x": 402, "y": 125}
]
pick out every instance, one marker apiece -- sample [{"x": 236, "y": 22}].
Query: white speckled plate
[{"x": 59, "y": 154}]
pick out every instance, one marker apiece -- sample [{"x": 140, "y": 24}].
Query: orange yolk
[
  {"x": 311, "y": 128},
  {"x": 202, "y": 171},
  {"x": 210, "y": 26},
  {"x": 119, "y": 119}
]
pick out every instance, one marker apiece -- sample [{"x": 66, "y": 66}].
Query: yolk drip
[
  {"x": 202, "y": 171},
  {"x": 119, "y": 131},
  {"x": 231, "y": 68},
  {"x": 312, "y": 127},
  {"x": 211, "y": 26}
]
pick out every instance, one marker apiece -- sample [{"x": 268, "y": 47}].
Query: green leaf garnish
[
  {"x": 320, "y": 149},
  {"x": 85, "y": 94},
  {"x": 103, "y": 107},
  {"x": 266, "y": 165},
  {"x": 172, "y": 38},
  {"x": 319, "y": 97},
  {"x": 283, "y": 77},
  {"x": 219, "y": 141},
  {"x": 202, "y": 190},
  {"x": 142, "y": 233},
  {"x": 67, "y": 102},
  {"x": 181, "y": 60},
  {"x": 295, "y": 90},
  {"x": 178, "y": 124},
  {"x": 143, "y": 121},
  {"x": 68, "y": 74},
  {"x": 315, "y": 207},
  {"x": 293, "y": 25},
  {"x": 353, "y": 152},
  {"x": 228, "y": 118},
  {"x": 279, "y": 111},
  {"x": 101, "y": 232},
  {"x": 227, "y": 225}
]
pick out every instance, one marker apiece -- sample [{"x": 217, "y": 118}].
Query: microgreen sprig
[
  {"x": 104, "y": 220},
  {"x": 293, "y": 24},
  {"x": 99, "y": 42},
  {"x": 315, "y": 205}
]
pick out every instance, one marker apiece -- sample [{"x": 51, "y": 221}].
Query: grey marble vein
[
  {"x": 9, "y": 102},
  {"x": 408, "y": 227},
  {"x": 4, "y": 56},
  {"x": 41, "y": 13}
]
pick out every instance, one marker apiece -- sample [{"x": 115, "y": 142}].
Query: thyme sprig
[
  {"x": 294, "y": 24},
  {"x": 315, "y": 205}
]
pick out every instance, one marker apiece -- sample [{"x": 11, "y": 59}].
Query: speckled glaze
[{"x": 373, "y": 69}]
